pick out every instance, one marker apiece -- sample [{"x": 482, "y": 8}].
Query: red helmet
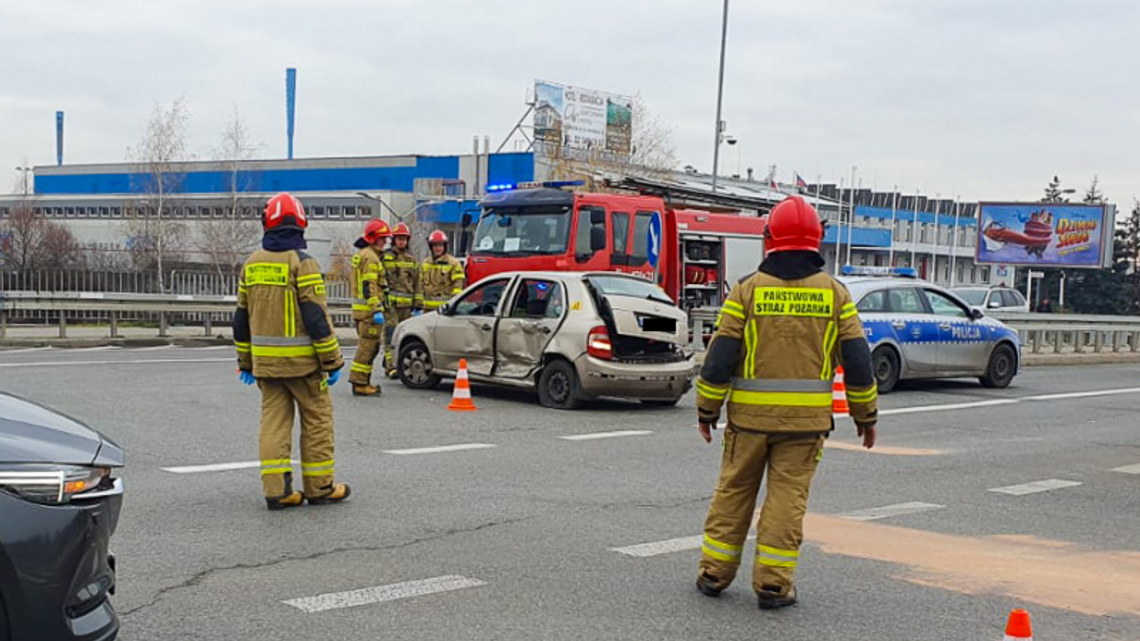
[
  {"x": 284, "y": 211},
  {"x": 437, "y": 236},
  {"x": 374, "y": 230},
  {"x": 793, "y": 225},
  {"x": 402, "y": 230}
]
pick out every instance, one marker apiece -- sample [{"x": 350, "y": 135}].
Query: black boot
[
  {"x": 772, "y": 598},
  {"x": 709, "y": 586},
  {"x": 288, "y": 499}
]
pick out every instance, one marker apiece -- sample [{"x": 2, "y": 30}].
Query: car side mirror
[
  {"x": 597, "y": 238},
  {"x": 445, "y": 309},
  {"x": 976, "y": 313}
]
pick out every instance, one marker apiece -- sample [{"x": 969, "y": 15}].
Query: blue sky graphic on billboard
[{"x": 1042, "y": 234}]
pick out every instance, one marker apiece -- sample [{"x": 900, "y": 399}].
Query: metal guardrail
[
  {"x": 1058, "y": 332},
  {"x": 162, "y": 307}
]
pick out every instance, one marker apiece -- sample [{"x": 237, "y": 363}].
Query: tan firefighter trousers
[
  {"x": 360, "y": 372},
  {"x": 790, "y": 461},
  {"x": 281, "y": 398},
  {"x": 395, "y": 316}
]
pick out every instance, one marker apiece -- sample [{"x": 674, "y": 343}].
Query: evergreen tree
[{"x": 1054, "y": 193}]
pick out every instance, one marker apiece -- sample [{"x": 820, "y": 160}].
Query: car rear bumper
[
  {"x": 56, "y": 570},
  {"x": 648, "y": 381}
]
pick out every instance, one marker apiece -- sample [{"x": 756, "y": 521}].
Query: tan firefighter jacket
[
  {"x": 367, "y": 284},
  {"x": 282, "y": 327},
  {"x": 401, "y": 271},
  {"x": 785, "y": 337},
  {"x": 440, "y": 279}
]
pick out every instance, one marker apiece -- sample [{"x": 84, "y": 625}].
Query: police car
[{"x": 919, "y": 330}]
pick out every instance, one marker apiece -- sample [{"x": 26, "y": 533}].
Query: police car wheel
[
  {"x": 415, "y": 368},
  {"x": 885, "y": 363},
  {"x": 1001, "y": 369},
  {"x": 558, "y": 386}
]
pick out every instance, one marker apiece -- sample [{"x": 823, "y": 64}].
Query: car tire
[
  {"x": 1001, "y": 368},
  {"x": 415, "y": 367},
  {"x": 658, "y": 402},
  {"x": 558, "y": 386},
  {"x": 886, "y": 367}
]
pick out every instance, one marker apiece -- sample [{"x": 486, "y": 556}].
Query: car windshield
[
  {"x": 635, "y": 288},
  {"x": 521, "y": 231},
  {"x": 971, "y": 296}
]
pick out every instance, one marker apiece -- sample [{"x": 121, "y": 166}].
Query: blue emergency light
[
  {"x": 549, "y": 184},
  {"x": 870, "y": 270}
]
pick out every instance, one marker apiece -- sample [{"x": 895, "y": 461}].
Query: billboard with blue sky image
[{"x": 1044, "y": 234}]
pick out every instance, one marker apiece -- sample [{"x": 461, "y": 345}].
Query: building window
[
  {"x": 116, "y": 212},
  {"x": 985, "y": 274},
  {"x": 349, "y": 211},
  {"x": 69, "y": 212}
]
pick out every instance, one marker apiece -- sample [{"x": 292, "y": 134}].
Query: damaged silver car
[{"x": 571, "y": 336}]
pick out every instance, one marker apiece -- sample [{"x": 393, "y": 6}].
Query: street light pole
[{"x": 720, "y": 96}]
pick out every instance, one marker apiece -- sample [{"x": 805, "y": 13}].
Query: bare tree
[
  {"x": 229, "y": 238},
  {"x": 30, "y": 241},
  {"x": 160, "y": 150}
]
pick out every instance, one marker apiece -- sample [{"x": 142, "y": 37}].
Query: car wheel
[
  {"x": 885, "y": 363},
  {"x": 1001, "y": 369},
  {"x": 667, "y": 402},
  {"x": 558, "y": 386},
  {"x": 415, "y": 367}
]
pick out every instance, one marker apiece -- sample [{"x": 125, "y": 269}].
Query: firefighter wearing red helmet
[
  {"x": 368, "y": 304},
  {"x": 781, "y": 333},
  {"x": 286, "y": 344},
  {"x": 401, "y": 271},
  {"x": 441, "y": 275}
]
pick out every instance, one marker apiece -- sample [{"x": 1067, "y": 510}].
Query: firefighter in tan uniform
[
  {"x": 368, "y": 285},
  {"x": 286, "y": 344},
  {"x": 441, "y": 276},
  {"x": 781, "y": 334},
  {"x": 401, "y": 271}
]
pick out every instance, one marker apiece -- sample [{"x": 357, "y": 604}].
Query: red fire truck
[{"x": 703, "y": 250}]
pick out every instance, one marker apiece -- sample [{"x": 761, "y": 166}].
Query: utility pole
[{"x": 720, "y": 96}]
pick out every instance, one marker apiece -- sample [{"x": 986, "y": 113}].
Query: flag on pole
[
  {"x": 801, "y": 184},
  {"x": 772, "y": 184}
]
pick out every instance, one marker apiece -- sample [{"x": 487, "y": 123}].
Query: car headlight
[{"x": 51, "y": 484}]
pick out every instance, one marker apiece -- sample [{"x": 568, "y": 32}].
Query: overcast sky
[{"x": 982, "y": 98}]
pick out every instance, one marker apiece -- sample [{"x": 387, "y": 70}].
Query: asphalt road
[{"x": 515, "y": 539}]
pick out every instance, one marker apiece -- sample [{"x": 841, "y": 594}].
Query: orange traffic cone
[
  {"x": 1018, "y": 627},
  {"x": 461, "y": 393},
  {"x": 839, "y": 405}
]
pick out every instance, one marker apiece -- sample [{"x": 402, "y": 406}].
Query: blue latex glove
[
  {"x": 417, "y": 312},
  {"x": 246, "y": 377},
  {"x": 378, "y": 318},
  {"x": 334, "y": 376}
]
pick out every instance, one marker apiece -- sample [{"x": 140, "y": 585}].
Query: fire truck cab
[{"x": 701, "y": 253}]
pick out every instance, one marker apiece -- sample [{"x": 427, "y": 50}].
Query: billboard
[
  {"x": 577, "y": 118},
  {"x": 1045, "y": 234}
]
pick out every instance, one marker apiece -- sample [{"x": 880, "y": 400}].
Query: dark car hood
[{"x": 31, "y": 433}]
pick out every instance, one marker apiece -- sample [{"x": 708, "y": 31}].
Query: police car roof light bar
[{"x": 870, "y": 270}]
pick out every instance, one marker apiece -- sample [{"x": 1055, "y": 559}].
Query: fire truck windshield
[{"x": 517, "y": 231}]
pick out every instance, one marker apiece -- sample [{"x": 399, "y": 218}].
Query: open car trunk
[{"x": 644, "y": 330}]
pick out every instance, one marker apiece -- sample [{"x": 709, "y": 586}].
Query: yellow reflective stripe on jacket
[
  {"x": 357, "y": 307},
  {"x": 710, "y": 392},
  {"x": 290, "y": 316},
  {"x": 775, "y": 557},
  {"x": 784, "y": 399},
  {"x": 370, "y": 277},
  {"x": 733, "y": 308},
  {"x": 847, "y": 311},
  {"x": 457, "y": 275},
  {"x": 372, "y": 300},
  {"x": 720, "y": 551},
  {"x": 310, "y": 279},
  {"x": 242, "y": 348},
  {"x": 863, "y": 397},
  {"x": 284, "y": 352},
  {"x": 325, "y": 346},
  {"x": 750, "y": 351},
  {"x": 829, "y": 336},
  {"x": 781, "y": 385}
]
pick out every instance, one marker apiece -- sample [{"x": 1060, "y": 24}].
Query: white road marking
[
  {"x": 136, "y": 361},
  {"x": 887, "y": 511},
  {"x": 213, "y": 467},
  {"x": 1035, "y": 487},
  {"x": 921, "y": 409},
  {"x": 661, "y": 547},
  {"x": 442, "y": 448},
  {"x": 153, "y": 348},
  {"x": 382, "y": 593},
  {"x": 21, "y": 350},
  {"x": 1052, "y": 397},
  {"x": 599, "y": 435},
  {"x": 1128, "y": 469}
]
